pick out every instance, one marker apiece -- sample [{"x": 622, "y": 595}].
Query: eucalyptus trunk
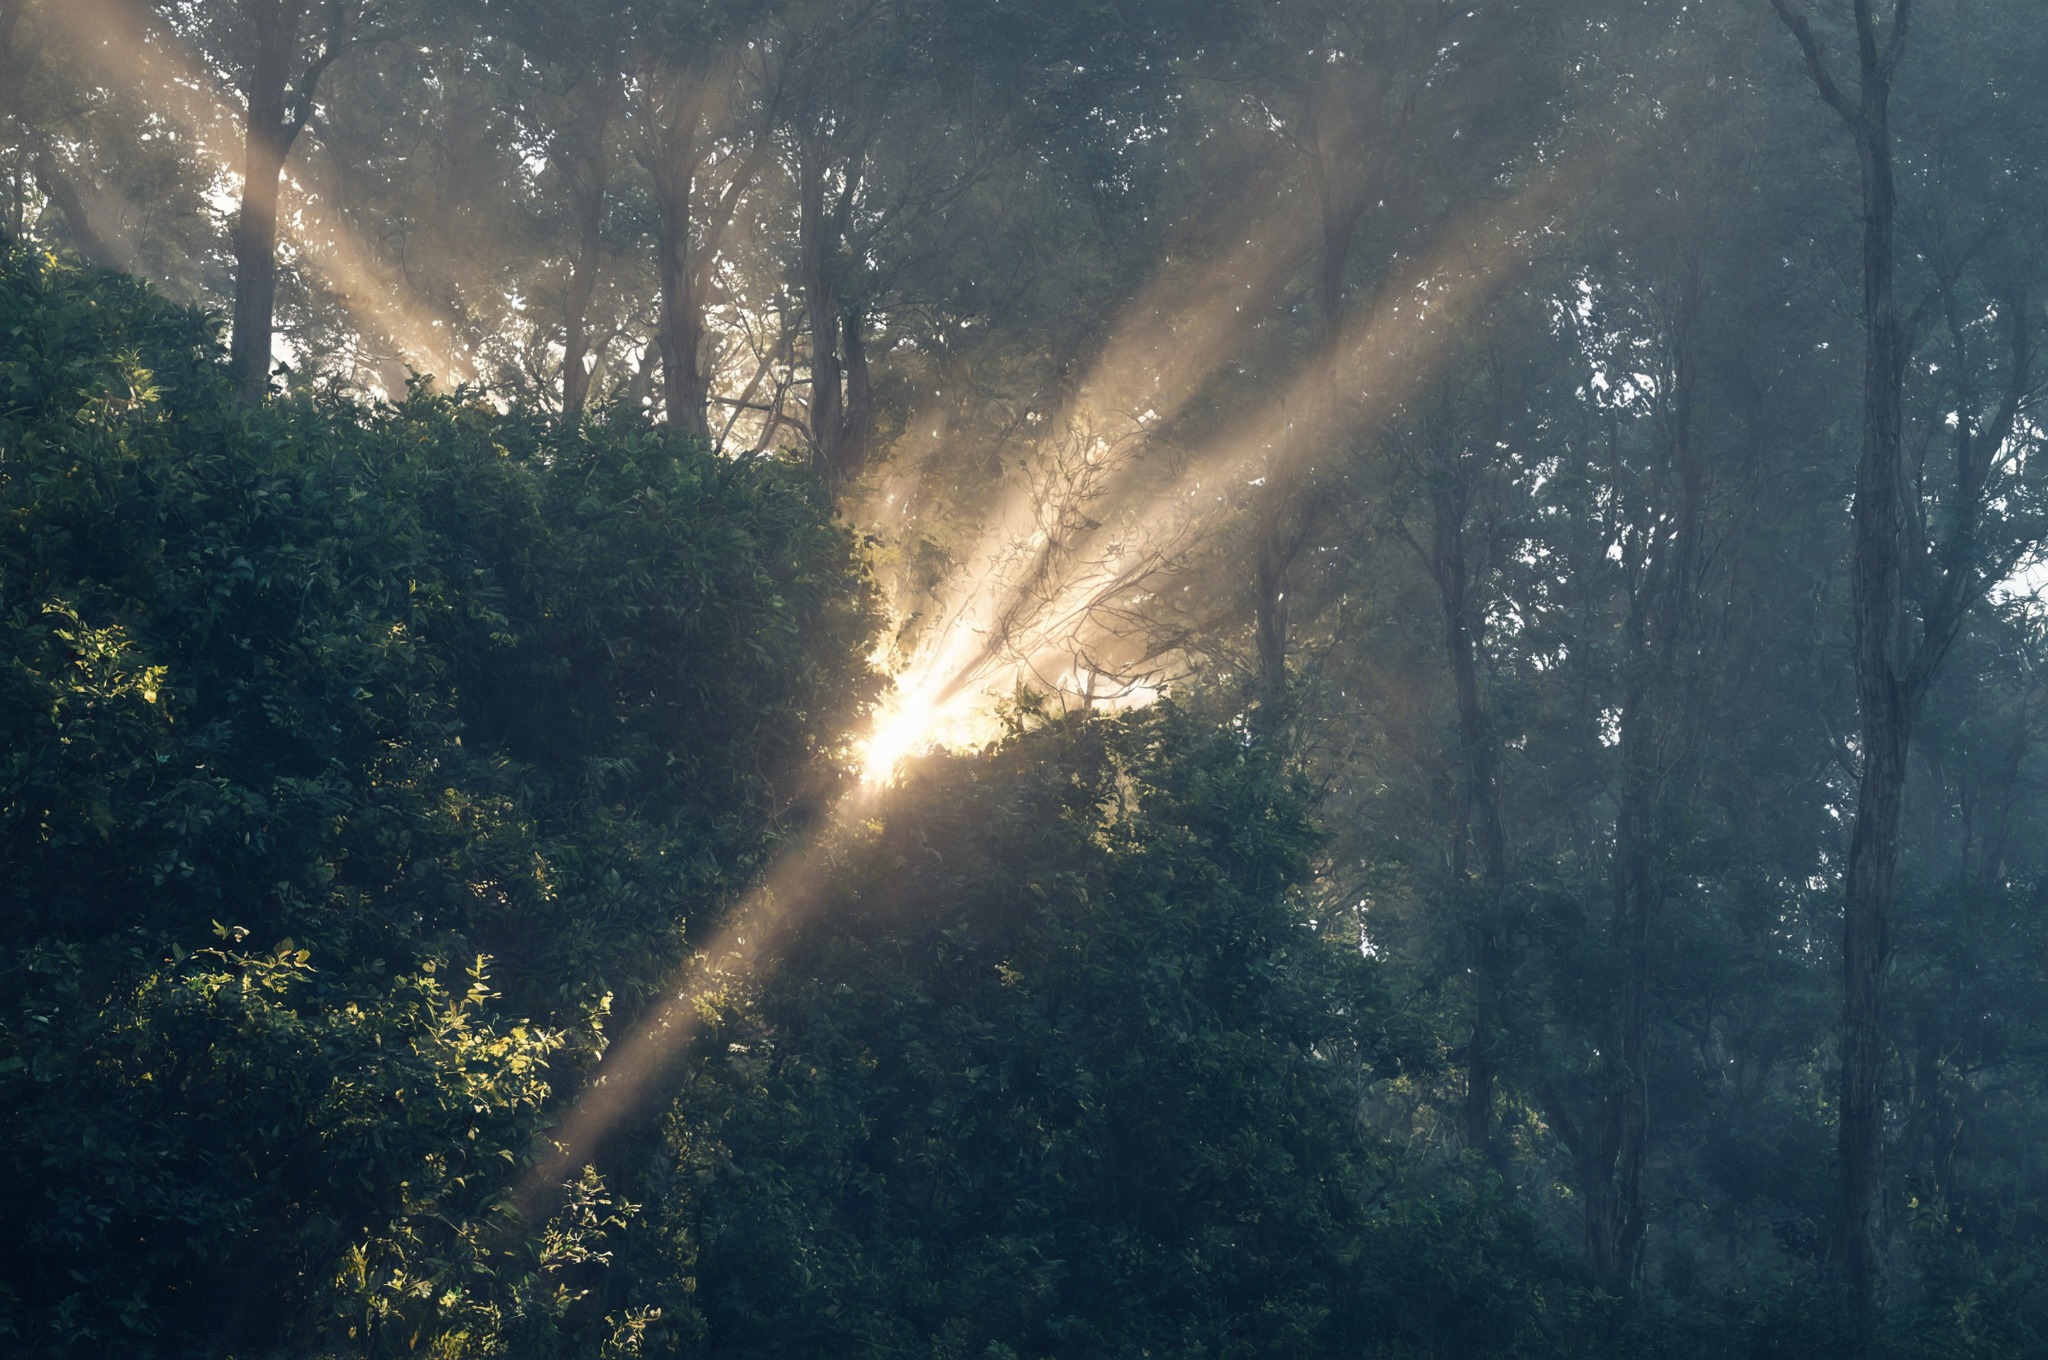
[
  {"x": 1889, "y": 681},
  {"x": 841, "y": 408},
  {"x": 1884, "y": 698},
  {"x": 1480, "y": 820},
  {"x": 266, "y": 141},
  {"x": 590, "y": 181},
  {"x": 685, "y": 385}
]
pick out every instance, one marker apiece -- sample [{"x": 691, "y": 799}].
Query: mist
[{"x": 1023, "y": 678}]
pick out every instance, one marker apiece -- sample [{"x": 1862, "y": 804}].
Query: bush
[{"x": 356, "y": 762}]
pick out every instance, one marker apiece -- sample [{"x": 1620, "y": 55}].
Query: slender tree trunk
[
  {"x": 1887, "y": 710},
  {"x": 1888, "y": 682},
  {"x": 822, "y": 321},
  {"x": 1652, "y": 735},
  {"x": 695, "y": 216},
  {"x": 842, "y": 400},
  {"x": 1270, "y": 622},
  {"x": 857, "y": 423},
  {"x": 592, "y": 181},
  {"x": 1615, "y": 1218},
  {"x": 686, "y": 387},
  {"x": 274, "y": 26},
  {"x": 1283, "y": 526},
  {"x": 50, "y": 177},
  {"x": 1479, "y": 763}
]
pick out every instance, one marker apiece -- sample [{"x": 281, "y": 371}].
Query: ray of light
[
  {"x": 1044, "y": 586},
  {"x": 1382, "y": 358},
  {"x": 1001, "y": 614},
  {"x": 745, "y": 945},
  {"x": 133, "y": 51},
  {"x": 1072, "y": 547}
]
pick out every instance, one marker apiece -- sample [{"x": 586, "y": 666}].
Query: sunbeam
[
  {"x": 1045, "y": 575},
  {"x": 134, "y": 51},
  {"x": 1094, "y": 524},
  {"x": 1155, "y": 678}
]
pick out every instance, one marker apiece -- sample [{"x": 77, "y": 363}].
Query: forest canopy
[{"x": 1023, "y": 678}]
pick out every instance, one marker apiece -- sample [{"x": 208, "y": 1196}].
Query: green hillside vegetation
[{"x": 366, "y": 766}]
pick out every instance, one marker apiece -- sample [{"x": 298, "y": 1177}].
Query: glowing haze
[
  {"x": 1083, "y": 531},
  {"x": 1052, "y": 587},
  {"x": 1053, "y": 592},
  {"x": 131, "y": 49}
]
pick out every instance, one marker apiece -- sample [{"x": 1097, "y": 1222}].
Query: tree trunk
[
  {"x": 841, "y": 410},
  {"x": 1270, "y": 623},
  {"x": 821, "y": 317},
  {"x": 1479, "y": 763},
  {"x": 50, "y": 177},
  {"x": 590, "y": 176},
  {"x": 1664, "y": 564},
  {"x": 1282, "y": 525},
  {"x": 1614, "y": 1216},
  {"x": 266, "y": 140},
  {"x": 1888, "y": 683},
  {"x": 695, "y": 216},
  {"x": 857, "y": 423},
  {"x": 686, "y": 387},
  {"x": 1886, "y": 706}
]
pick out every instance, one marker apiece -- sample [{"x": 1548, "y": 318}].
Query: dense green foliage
[
  {"x": 356, "y": 763},
  {"x": 309, "y": 917},
  {"x": 361, "y": 761},
  {"x": 1064, "y": 1072}
]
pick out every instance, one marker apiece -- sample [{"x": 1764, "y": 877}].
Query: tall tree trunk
[
  {"x": 1664, "y": 565},
  {"x": 1882, "y": 691},
  {"x": 695, "y": 216},
  {"x": 1275, "y": 555},
  {"x": 50, "y": 177},
  {"x": 590, "y": 175},
  {"x": 1615, "y": 1217},
  {"x": 686, "y": 387},
  {"x": 1283, "y": 525},
  {"x": 1479, "y": 768},
  {"x": 857, "y": 423},
  {"x": 1886, "y": 693},
  {"x": 842, "y": 407},
  {"x": 821, "y": 316},
  {"x": 266, "y": 140}
]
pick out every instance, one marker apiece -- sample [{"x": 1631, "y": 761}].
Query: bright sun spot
[{"x": 916, "y": 720}]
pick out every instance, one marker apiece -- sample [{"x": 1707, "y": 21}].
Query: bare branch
[
  {"x": 1816, "y": 62},
  {"x": 1895, "y": 46}
]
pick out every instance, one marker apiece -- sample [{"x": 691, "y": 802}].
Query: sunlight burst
[{"x": 910, "y": 724}]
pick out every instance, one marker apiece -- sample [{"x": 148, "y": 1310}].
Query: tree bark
[
  {"x": 1663, "y": 563},
  {"x": 857, "y": 424},
  {"x": 685, "y": 386},
  {"x": 1887, "y": 697},
  {"x": 821, "y": 313},
  {"x": 1270, "y": 621},
  {"x": 266, "y": 141},
  {"x": 1887, "y": 708},
  {"x": 1615, "y": 1218},
  {"x": 590, "y": 177},
  {"x": 1339, "y": 181},
  {"x": 841, "y": 409},
  {"x": 695, "y": 216},
  {"x": 1480, "y": 822}
]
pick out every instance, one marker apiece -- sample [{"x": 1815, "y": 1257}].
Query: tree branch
[
  {"x": 1816, "y": 63},
  {"x": 1895, "y": 46}
]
